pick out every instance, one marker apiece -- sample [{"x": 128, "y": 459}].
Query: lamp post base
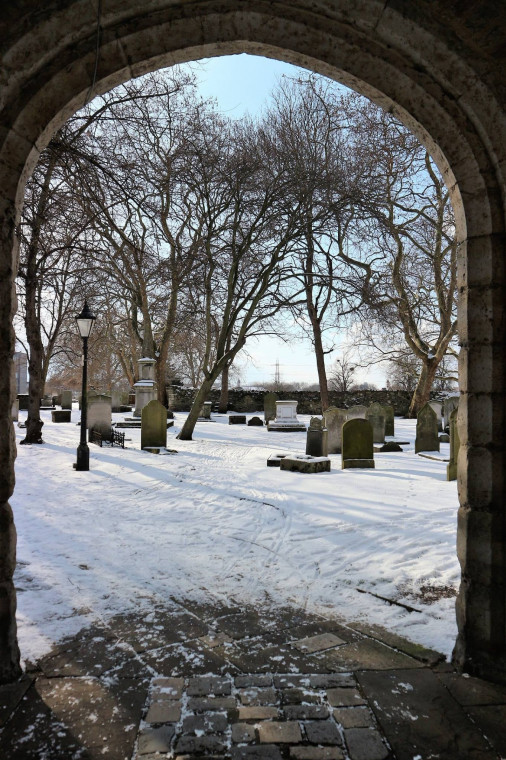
[{"x": 83, "y": 457}]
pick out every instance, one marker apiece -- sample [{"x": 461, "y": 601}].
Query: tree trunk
[
  {"x": 224, "y": 385},
  {"x": 186, "y": 431},
  {"x": 320, "y": 361},
  {"x": 423, "y": 387},
  {"x": 36, "y": 359}
]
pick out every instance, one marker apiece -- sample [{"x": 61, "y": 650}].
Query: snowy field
[{"x": 213, "y": 519}]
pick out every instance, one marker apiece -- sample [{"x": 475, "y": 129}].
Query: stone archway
[{"x": 439, "y": 72}]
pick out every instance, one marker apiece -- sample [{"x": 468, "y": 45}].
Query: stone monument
[
  {"x": 437, "y": 406},
  {"x": 316, "y": 442},
  {"x": 449, "y": 404},
  {"x": 451, "y": 467},
  {"x": 357, "y": 448},
  {"x": 389, "y": 419},
  {"x": 15, "y": 410},
  {"x": 427, "y": 438},
  {"x": 205, "y": 410},
  {"x": 334, "y": 421},
  {"x": 145, "y": 387},
  {"x": 357, "y": 412},
  {"x": 286, "y": 418},
  {"x": 376, "y": 416},
  {"x": 154, "y": 425}
]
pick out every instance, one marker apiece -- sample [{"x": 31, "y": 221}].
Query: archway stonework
[{"x": 440, "y": 72}]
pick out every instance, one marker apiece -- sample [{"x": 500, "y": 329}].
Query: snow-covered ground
[{"x": 213, "y": 518}]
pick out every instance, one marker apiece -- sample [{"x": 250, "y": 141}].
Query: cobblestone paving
[{"x": 223, "y": 681}]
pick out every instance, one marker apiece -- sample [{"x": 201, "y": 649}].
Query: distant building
[{"x": 21, "y": 369}]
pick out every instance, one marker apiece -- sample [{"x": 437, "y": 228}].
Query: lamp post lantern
[{"x": 85, "y": 322}]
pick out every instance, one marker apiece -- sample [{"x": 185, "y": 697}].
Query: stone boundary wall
[{"x": 308, "y": 402}]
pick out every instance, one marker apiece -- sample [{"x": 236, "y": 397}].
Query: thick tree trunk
[
  {"x": 223, "y": 406},
  {"x": 423, "y": 387},
  {"x": 186, "y": 431},
  {"x": 35, "y": 361},
  {"x": 320, "y": 361}
]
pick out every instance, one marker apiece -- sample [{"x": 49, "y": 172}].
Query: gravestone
[
  {"x": 236, "y": 419},
  {"x": 145, "y": 387},
  {"x": 427, "y": 438},
  {"x": 449, "y": 404},
  {"x": 255, "y": 422},
  {"x": 23, "y": 401},
  {"x": 66, "y": 399},
  {"x": 451, "y": 467},
  {"x": 357, "y": 447},
  {"x": 286, "y": 418},
  {"x": 316, "y": 441},
  {"x": 376, "y": 416},
  {"x": 15, "y": 410},
  {"x": 61, "y": 415},
  {"x": 306, "y": 464},
  {"x": 46, "y": 402},
  {"x": 99, "y": 414},
  {"x": 389, "y": 419},
  {"x": 154, "y": 425},
  {"x": 334, "y": 420},
  {"x": 116, "y": 401},
  {"x": 269, "y": 407},
  {"x": 205, "y": 410},
  {"x": 357, "y": 412},
  {"x": 437, "y": 406}
]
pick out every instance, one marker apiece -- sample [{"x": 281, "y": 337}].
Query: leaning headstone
[
  {"x": 376, "y": 416},
  {"x": 99, "y": 414},
  {"x": 269, "y": 407},
  {"x": 451, "y": 467},
  {"x": 357, "y": 449},
  {"x": 357, "y": 412},
  {"x": 427, "y": 438},
  {"x": 286, "y": 418},
  {"x": 154, "y": 425},
  {"x": 66, "y": 399},
  {"x": 316, "y": 441},
  {"x": 437, "y": 406},
  {"x": 389, "y": 419},
  {"x": 334, "y": 420},
  {"x": 15, "y": 410}
]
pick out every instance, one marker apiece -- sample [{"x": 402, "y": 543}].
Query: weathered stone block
[
  {"x": 237, "y": 419},
  {"x": 301, "y": 463},
  {"x": 60, "y": 415}
]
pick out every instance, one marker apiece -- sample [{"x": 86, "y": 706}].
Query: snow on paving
[{"x": 139, "y": 528}]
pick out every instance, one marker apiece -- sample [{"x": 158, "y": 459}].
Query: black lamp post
[{"x": 84, "y": 323}]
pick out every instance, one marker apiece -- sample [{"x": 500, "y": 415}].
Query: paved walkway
[{"x": 214, "y": 681}]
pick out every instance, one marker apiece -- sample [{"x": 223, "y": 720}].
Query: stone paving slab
[{"x": 175, "y": 684}]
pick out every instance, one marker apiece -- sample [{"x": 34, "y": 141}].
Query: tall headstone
[
  {"x": 145, "y": 387},
  {"x": 154, "y": 425},
  {"x": 437, "y": 406},
  {"x": 269, "y": 407},
  {"x": 316, "y": 441},
  {"x": 99, "y": 413},
  {"x": 449, "y": 404},
  {"x": 357, "y": 448},
  {"x": 286, "y": 418},
  {"x": 334, "y": 420},
  {"x": 389, "y": 419},
  {"x": 451, "y": 467},
  {"x": 66, "y": 399},
  {"x": 376, "y": 416},
  {"x": 427, "y": 438},
  {"x": 116, "y": 402},
  {"x": 15, "y": 410},
  {"x": 357, "y": 412}
]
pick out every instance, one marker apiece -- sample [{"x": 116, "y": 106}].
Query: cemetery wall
[{"x": 308, "y": 402}]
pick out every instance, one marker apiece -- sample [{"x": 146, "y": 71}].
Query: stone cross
[
  {"x": 357, "y": 448},
  {"x": 154, "y": 425},
  {"x": 376, "y": 416},
  {"x": 334, "y": 420},
  {"x": 451, "y": 467},
  {"x": 427, "y": 438}
]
